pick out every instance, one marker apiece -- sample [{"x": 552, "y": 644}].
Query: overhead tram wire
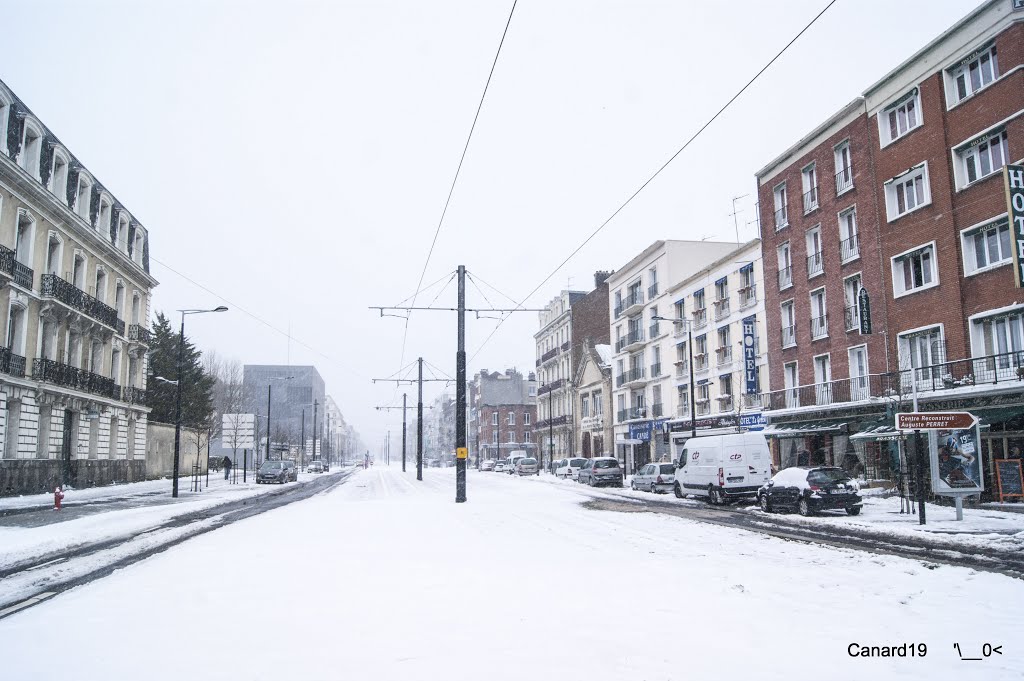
[
  {"x": 458, "y": 170},
  {"x": 660, "y": 169}
]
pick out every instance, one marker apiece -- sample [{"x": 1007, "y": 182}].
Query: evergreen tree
[{"x": 196, "y": 384}]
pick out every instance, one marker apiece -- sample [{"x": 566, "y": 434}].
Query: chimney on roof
[{"x": 601, "y": 276}]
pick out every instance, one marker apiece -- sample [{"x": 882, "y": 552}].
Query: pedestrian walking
[
  {"x": 58, "y": 496},
  {"x": 227, "y": 467}
]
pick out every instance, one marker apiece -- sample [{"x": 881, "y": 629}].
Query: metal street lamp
[
  {"x": 689, "y": 346},
  {"x": 177, "y": 382}
]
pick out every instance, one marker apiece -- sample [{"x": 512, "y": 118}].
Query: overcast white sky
[{"x": 294, "y": 157}]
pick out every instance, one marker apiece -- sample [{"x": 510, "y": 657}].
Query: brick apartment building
[
  {"x": 900, "y": 193},
  {"x": 502, "y": 414}
]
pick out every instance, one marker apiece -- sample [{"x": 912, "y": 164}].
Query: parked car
[
  {"x": 603, "y": 470},
  {"x": 809, "y": 490},
  {"x": 655, "y": 477},
  {"x": 314, "y": 467},
  {"x": 291, "y": 469},
  {"x": 499, "y": 466},
  {"x": 568, "y": 468},
  {"x": 527, "y": 466},
  {"x": 723, "y": 467},
  {"x": 510, "y": 462},
  {"x": 327, "y": 465},
  {"x": 487, "y": 465},
  {"x": 272, "y": 471}
]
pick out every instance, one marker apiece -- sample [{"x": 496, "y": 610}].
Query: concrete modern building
[
  {"x": 502, "y": 414},
  {"x": 592, "y": 387},
  {"x": 74, "y": 295},
  {"x": 723, "y": 305},
  {"x": 913, "y": 215},
  {"x": 297, "y": 398},
  {"x": 638, "y": 291}
]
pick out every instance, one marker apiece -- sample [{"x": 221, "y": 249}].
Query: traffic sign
[{"x": 935, "y": 420}]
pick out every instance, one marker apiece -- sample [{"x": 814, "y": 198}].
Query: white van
[
  {"x": 723, "y": 467},
  {"x": 510, "y": 462}
]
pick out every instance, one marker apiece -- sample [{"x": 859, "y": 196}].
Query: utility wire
[
  {"x": 408, "y": 298},
  {"x": 659, "y": 171},
  {"x": 465, "y": 148},
  {"x": 496, "y": 290}
]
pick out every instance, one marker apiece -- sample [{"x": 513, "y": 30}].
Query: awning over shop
[
  {"x": 1000, "y": 415},
  {"x": 881, "y": 432},
  {"x": 808, "y": 428}
]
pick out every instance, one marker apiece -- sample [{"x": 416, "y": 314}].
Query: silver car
[
  {"x": 655, "y": 477},
  {"x": 527, "y": 466},
  {"x": 604, "y": 470}
]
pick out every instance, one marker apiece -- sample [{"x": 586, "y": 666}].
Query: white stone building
[{"x": 554, "y": 344}]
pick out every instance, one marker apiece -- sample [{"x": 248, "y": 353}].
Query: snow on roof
[{"x": 605, "y": 353}]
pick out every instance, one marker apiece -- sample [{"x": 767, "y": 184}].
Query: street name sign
[{"x": 938, "y": 420}]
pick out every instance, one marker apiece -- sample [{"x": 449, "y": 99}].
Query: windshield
[
  {"x": 606, "y": 463},
  {"x": 271, "y": 466}
]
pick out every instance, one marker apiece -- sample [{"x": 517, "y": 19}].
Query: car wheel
[
  {"x": 853, "y": 510},
  {"x": 632, "y": 485},
  {"x": 804, "y": 508},
  {"x": 766, "y": 505},
  {"x": 678, "y": 491},
  {"x": 653, "y": 490},
  {"x": 714, "y": 498},
  {"x": 592, "y": 482}
]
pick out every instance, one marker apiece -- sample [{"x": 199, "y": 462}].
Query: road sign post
[{"x": 954, "y": 444}]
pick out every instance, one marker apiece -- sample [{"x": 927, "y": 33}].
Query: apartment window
[
  {"x": 121, "y": 233},
  {"x": 823, "y": 379},
  {"x": 656, "y": 361},
  {"x": 526, "y": 418},
  {"x": 512, "y": 437},
  {"x": 13, "y": 429},
  {"x": 859, "y": 388},
  {"x": 819, "y": 314},
  {"x": 656, "y": 403},
  {"x": 494, "y": 418},
  {"x": 78, "y": 271},
  {"x": 5, "y": 111},
  {"x": 815, "y": 256},
  {"x": 138, "y": 246},
  {"x": 585, "y": 406},
  {"x": 851, "y": 293},
  {"x": 652, "y": 275},
  {"x": 655, "y": 329},
  {"x": 725, "y": 385},
  {"x": 844, "y": 168},
  {"x": 103, "y": 218},
  {"x": 49, "y": 339},
  {"x": 115, "y": 365},
  {"x": 598, "y": 403},
  {"x": 781, "y": 211},
  {"x": 914, "y": 270},
  {"x": 790, "y": 379},
  {"x": 23, "y": 238},
  {"x": 901, "y": 117},
  {"x": 724, "y": 350},
  {"x": 972, "y": 74},
  {"x": 849, "y": 244},
  {"x": 59, "y": 176},
  {"x": 683, "y": 394},
  {"x": 680, "y": 313},
  {"x": 999, "y": 334},
  {"x": 809, "y": 177},
  {"x": 785, "y": 258},
  {"x": 494, "y": 437},
  {"x": 100, "y": 292},
  {"x": 83, "y": 196},
  {"x": 31, "y": 149},
  {"x": 908, "y": 192},
  {"x": 987, "y": 246},
  {"x": 923, "y": 351},
  {"x": 16, "y": 329},
  {"x": 511, "y": 418},
  {"x": 983, "y": 157},
  {"x": 698, "y": 300},
  {"x": 788, "y": 324},
  {"x": 119, "y": 299}
]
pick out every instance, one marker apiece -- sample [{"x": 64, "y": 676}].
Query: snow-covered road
[{"x": 387, "y": 578}]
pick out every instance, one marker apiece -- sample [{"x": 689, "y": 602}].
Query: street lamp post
[
  {"x": 269, "y": 386},
  {"x": 689, "y": 346},
  {"x": 177, "y": 399}
]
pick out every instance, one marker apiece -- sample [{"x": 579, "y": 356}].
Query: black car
[
  {"x": 810, "y": 489},
  {"x": 274, "y": 471}
]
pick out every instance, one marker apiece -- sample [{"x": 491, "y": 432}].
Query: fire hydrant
[{"x": 58, "y": 494}]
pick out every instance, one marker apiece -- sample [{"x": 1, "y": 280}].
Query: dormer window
[
  {"x": 59, "y": 175},
  {"x": 5, "y": 114},
  {"x": 83, "y": 196},
  {"x": 103, "y": 219},
  {"x": 138, "y": 245},
  {"x": 121, "y": 234},
  {"x": 31, "y": 149}
]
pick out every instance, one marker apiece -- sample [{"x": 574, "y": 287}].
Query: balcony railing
[
  {"x": 12, "y": 364},
  {"x": 634, "y": 337},
  {"x": 781, "y": 218},
  {"x": 810, "y": 199},
  {"x": 788, "y": 336},
  {"x": 724, "y": 403},
  {"x": 133, "y": 395},
  {"x": 751, "y": 401},
  {"x": 656, "y": 370},
  {"x": 549, "y": 387},
  {"x": 550, "y": 354},
  {"x": 629, "y": 376},
  {"x": 657, "y": 410},
  {"x": 721, "y": 308},
  {"x": 652, "y": 291},
  {"x": 551, "y": 423},
  {"x": 819, "y": 327},
  {"x": 565, "y": 346},
  {"x": 703, "y": 407},
  {"x": 682, "y": 368},
  {"x": 815, "y": 263},
  {"x": 678, "y": 329},
  {"x": 700, "y": 318},
  {"x": 139, "y": 334},
  {"x": 633, "y": 299},
  {"x": 851, "y": 315},
  {"x": 620, "y": 343},
  {"x": 683, "y": 410},
  {"x": 785, "y": 278},
  {"x": 700, "y": 362},
  {"x": 844, "y": 180},
  {"x": 748, "y": 296},
  {"x": 724, "y": 355},
  {"x": 72, "y": 296},
  {"x": 72, "y": 377},
  {"x": 23, "y": 275},
  {"x": 624, "y": 415},
  {"x": 849, "y": 249}
]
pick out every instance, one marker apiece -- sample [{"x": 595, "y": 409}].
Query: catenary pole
[
  {"x": 404, "y": 396},
  {"x": 460, "y": 395},
  {"x": 419, "y": 424}
]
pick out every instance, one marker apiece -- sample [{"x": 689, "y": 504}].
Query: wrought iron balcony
[
  {"x": 21, "y": 274},
  {"x": 133, "y": 395},
  {"x": 565, "y": 346},
  {"x": 849, "y": 249},
  {"x": 785, "y": 278},
  {"x": 748, "y": 296},
  {"x": 682, "y": 368},
  {"x": 781, "y": 218},
  {"x": 700, "y": 318},
  {"x": 721, "y": 308},
  {"x": 815, "y": 263},
  {"x": 656, "y": 370},
  {"x": 634, "y": 338},
  {"x": 724, "y": 403},
  {"x": 751, "y": 401},
  {"x": 724, "y": 354},
  {"x": 631, "y": 303},
  {"x": 810, "y": 199},
  {"x": 654, "y": 331},
  {"x": 819, "y": 327},
  {"x": 72, "y": 377},
  {"x": 138, "y": 334},
  {"x": 72, "y": 296},
  {"x": 700, "y": 362},
  {"x": 788, "y": 336},
  {"x": 550, "y": 354},
  {"x": 550, "y": 387},
  {"x": 620, "y": 343},
  {"x": 12, "y": 364},
  {"x": 678, "y": 329},
  {"x": 844, "y": 180},
  {"x": 652, "y": 291},
  {"x": 634, "y": 375},
  {"x": 703, "y": 407}
]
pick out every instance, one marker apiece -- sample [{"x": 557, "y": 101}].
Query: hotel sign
[
  {"x": 750, "y": 354},
  {"x": 1014, "y": 176}
]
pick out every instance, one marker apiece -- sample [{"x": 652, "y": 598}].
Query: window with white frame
[
  {"x": 844, "y": 168},
  {"x": 901, "y": 117},
  {"x": 819, "y": 314},
  {"x": 24, "y": 237},
  {"x": 494, "y": 418},
  {"x": 823, "y": 379},
  {"x": 526, "y": 418},
  {"x": 5, "y": 113},
  {"x": 849, "y": 244},
  {"x": 103, "y": 217},
  {"x": 790, "y": 380},
  {"x": 512, "y": 437},
  {"x": 511, "y": 418},
  {"x": 788, "y": 324},
  {"x": 982, "y": 157},
  {"x": 859, "y": 388},
  {"x": 815, "y": 254},
  {"x": 781, "y": 209},
  {"x": 914, "y": 270},
  {"x": 31, "y": 148},
  {"x": 785, "y": 259},
  {"x": 921, "y": 353},
  {"x": 851, "y": 293},
  {"x": 59, "y": 176},
  {"x": 83, "y": 196},
  {"x": 585, "y": 406},
  {"x": 971, "y": 74},
  {"x": 494, "y": 437},
  {"x": 987, "y": 246},
  {"x": 809, "y": 178},
  {"x": 999, "y": 335},
  {"x": 138, "y": 245},
  {"x": 908, "y": 192}
]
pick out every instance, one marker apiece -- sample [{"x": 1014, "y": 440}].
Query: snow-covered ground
[{"x": 387, "y": 578}]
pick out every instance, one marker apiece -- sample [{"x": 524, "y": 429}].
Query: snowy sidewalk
[{"x": 520, "y": 582}]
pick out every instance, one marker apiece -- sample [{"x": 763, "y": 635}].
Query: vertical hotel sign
[
  {"x": 1014, "y": 176},
  {"x": 750, "y": 354}
]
